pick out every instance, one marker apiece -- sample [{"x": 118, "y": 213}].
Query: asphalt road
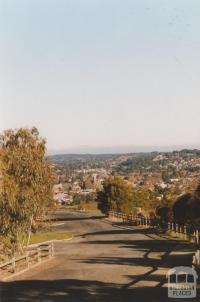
[{"x": 103, "y": 262}]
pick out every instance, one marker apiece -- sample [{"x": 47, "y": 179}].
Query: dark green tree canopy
[{"x": 186, "y": 209}]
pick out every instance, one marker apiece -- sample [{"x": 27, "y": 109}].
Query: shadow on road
[
  {"x": 64, "y": 218},
  {"x": 155, "y": 255},
  {"x": 171, "y": 253},
  {"x": 79, "y": 290},
  {"x": 152, "y": 254},
  {"x": 123, "y": 232}
]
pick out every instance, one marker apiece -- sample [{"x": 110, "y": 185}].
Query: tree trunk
[{"x": 29, "y": 233}]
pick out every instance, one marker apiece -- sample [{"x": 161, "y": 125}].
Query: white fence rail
[{"x": 33, "y": 257}]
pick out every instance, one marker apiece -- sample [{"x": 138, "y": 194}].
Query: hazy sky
[{"x": 101, "y": 72}]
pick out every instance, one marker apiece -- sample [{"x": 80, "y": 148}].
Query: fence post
[
  {"x": 13, "y": 265},
  {"x": 198, "y": 257},
  {"x": 176, "y": 228},
  {"x": 185, "y": 232},
  {"x": 182, "y": 230},
  {"x": 52, "y": 248},
  {"x": 197, "y": 236},
  {"x": 136, "y": 220},
  {"x": 27, "y": 260},
  {"x": 39, "y": 254},
  {"x": 194, "y": 237}
]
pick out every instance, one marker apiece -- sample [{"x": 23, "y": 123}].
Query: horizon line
[{"x": 121, "y": 149}]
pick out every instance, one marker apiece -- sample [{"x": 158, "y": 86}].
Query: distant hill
[
  {"x": 58, "y": 158},
  {"x": 125, "y": 161},
  {"x": 84, "y": 150},
  {"x": 100, "y": 157}
]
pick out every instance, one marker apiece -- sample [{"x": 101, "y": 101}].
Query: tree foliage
[
  {"x": 26, "y": 184},
  {"x": 186, "y": 209},
  {"x": 146, "y": 200},
  {"x": 116, "y": 196}
]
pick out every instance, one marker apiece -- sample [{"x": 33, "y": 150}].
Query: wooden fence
[
  {"x": 175, "y": 229},
  {"x": 32, "y": 258},
  {"x": 196, "y": 260},
  {"x": 182, "y": 231}
]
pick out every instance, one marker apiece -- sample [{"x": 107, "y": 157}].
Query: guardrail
[{"x": 23, "y": 263}]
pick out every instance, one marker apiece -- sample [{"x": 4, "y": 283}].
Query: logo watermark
[{"x": 182, "y": 282}]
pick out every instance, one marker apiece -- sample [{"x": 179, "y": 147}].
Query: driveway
[{"x": 103, "y": 262}]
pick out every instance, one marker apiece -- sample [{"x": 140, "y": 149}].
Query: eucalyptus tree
[{"x": 26, "y": 183}]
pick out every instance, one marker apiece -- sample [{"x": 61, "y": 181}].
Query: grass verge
[{"x": 39, "y": 238}]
